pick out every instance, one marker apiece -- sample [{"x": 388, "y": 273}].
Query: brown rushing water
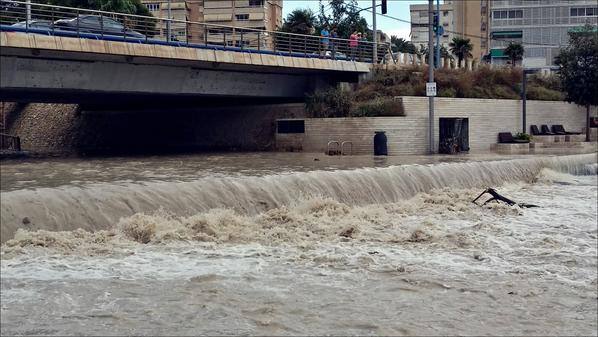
[{"x": 282, "y": 244}]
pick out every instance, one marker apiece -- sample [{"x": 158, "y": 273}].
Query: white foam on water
[{"x": 426, "y": 264}]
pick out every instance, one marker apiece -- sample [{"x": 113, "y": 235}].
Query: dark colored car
[
  {"x": 97, "y": 24},
  {"x": 37, "y": 24}
]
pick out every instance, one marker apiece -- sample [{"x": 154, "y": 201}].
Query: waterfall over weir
[{"x": 101, "y": 205}]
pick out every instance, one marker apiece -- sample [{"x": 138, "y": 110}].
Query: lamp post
[
  {"x": 430, "y": 76},
  {"x": 524, "y": 98},
  {"x": 28, "y": 8},
  {"x": 168, "y": 22},
  {"x": 375, "y": 51}
]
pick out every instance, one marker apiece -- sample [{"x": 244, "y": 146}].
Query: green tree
[
  {"x": 461, "y": 47},
  {"x": 444, "y": 52},
  {"x": 423, "y": 52},
  {"x": 515, "y": 52},
  {"x": 300, "y": 21},
  {"x": 342, "y": 15},
  {"x": 401, "y": 45},
  {"x": 578, "y": 69}
]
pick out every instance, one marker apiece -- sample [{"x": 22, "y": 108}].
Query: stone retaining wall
[{"x": 408, "y": 135}]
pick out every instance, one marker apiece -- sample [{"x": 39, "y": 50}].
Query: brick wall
[{"x": 408, "y": 135}]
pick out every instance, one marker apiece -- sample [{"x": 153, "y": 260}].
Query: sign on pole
[{"x": 431, "y": 89}]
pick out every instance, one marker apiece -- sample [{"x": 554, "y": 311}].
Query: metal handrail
[
  {"x": 346, "y": 142},
  {"x": 337, "y": 151},
  {"x": 195, "y": 33}
]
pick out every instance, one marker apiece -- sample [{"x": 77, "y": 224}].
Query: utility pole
[
  {"x": 168, "y": 22},
  {"x": 438, "y": 36},
  {"x": 375, "y": 51},
  {"x": 524, "y": 100},
  {"x": 430, "y": 75},
  {"x": 28, "y": 6}
]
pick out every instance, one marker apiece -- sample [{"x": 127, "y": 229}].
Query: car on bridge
[
  {"x": 37, "y": 24},
  {"x": 97, "y": 24}
]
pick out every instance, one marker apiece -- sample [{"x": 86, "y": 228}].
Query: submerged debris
[{"x": 497, "y": 197}]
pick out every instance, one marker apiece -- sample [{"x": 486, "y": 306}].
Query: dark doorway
[{"x": 454, "y": 135}]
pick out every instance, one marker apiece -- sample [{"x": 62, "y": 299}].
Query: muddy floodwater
[{"x": 298, "y": 244}]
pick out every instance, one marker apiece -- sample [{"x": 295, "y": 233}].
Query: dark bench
[{"x": 560, "y": 130}]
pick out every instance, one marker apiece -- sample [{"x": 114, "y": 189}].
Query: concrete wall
[{"x": 408, "y": 135}]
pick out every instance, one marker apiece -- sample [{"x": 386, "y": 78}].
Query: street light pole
[
  {"x": 28, "y": 6},
  {"x": 375, "y": 51},
  {"x": 438, "y": 36},
  {"x": 430, "y": 75},
  {"x": 168, "y": 22}
]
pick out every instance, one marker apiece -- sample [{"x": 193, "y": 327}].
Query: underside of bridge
[{"x": 34, "y": 75}]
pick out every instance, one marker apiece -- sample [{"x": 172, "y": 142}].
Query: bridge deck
[{"x": 235, "y": 57}]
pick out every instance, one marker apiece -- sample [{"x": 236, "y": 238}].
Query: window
[
  {"x": 445, "y": 13},
  {"x": 290, "y": 126},
  {"x": 153, "y": 7},
  {"x": 516, "y": 14},
  {"x": 242, "y": 17},
  {"x": 90, "y": 20},
  {"x": 512, "y": 14},
  {"x": 256, "y": 3},
  {"x": 220, "y": 30},
  {"x": 584, "y": 11},
  {"x": 110, "y": 23}
]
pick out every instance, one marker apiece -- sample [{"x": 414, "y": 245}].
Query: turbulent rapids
[
  {"x": 100, "y": 206},
  {"x": 397, "y": 250}
]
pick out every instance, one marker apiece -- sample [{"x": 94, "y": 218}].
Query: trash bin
[{"x": 380, "y": 147}]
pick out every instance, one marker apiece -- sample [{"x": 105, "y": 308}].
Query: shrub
[
  {"x": 329, "y": 103},
  {"x": 523, "y": 136},
  {"x": 544, "y": 94},
  {"x": 378, "y": 107},
  {"x": 447, "y": 92}
]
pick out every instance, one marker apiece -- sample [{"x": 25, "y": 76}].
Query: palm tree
[
  {"x": 515, "y": 52},
  {"x": 401, "y": 45},
  {"x": 300, "y": 21},
  {"x": 461, "y": 47}
]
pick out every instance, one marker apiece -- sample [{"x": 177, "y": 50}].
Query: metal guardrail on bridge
[{"x": 93, "y": 24}]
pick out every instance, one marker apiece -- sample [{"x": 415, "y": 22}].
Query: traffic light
[
  {"x": 384, "y": 7},
  {"x": 435, "y": 23}
]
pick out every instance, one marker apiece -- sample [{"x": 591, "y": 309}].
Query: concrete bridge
[{"x": 50, "y": 68}]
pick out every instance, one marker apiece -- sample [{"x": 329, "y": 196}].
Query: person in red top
[{"x": 353, "y": 43}]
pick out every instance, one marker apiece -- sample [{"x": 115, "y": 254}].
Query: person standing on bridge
[
  {"x": 325, "y": 34},
  {"x": 333, "y": 42},
  {"x": 353, "y": 43}
]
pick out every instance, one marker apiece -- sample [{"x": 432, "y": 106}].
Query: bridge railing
[{"x": 95, "y": 24}]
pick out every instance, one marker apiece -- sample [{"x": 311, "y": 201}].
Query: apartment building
[
  {"x": 251, "y": 14},
  {"x": 472, "y": 22},
  {"x": 540, "y": 25},
  {"x": 178, "y": 11},
  {"x": 419, "y": 24}
]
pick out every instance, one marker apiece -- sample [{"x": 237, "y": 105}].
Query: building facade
[
  {"x": 249, "y": 14},
  {"x": 540, "y": 25},
  {"x": 419, "y": 24},
  {"x": 472, "y": 22},
  {"x": 178, "y": 11}
]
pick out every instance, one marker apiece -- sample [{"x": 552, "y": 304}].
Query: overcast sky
[{"x": 396, "y": 8}]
